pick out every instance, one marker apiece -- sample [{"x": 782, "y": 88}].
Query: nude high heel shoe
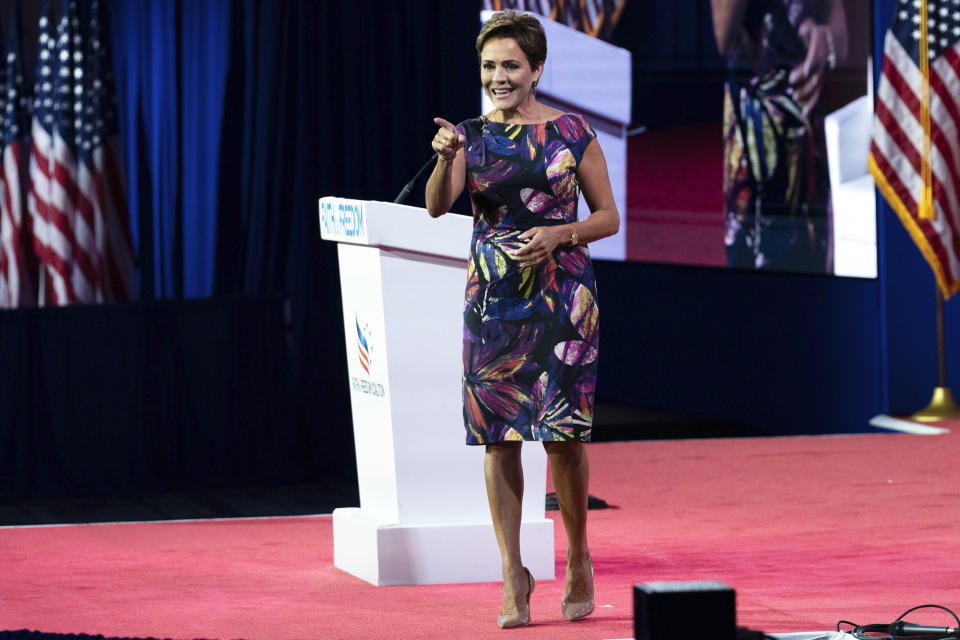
[
  {"x": 577, "y": 610},
  {"x": 519, "y": 619}
]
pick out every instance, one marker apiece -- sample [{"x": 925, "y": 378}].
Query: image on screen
[{"x": 735, "y": 131}]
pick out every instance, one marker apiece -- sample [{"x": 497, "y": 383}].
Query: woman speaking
[{"x": 530, "y": 322}]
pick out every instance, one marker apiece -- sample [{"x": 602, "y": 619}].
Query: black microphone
[
  {"x": 910, "y": 630},
  {"x": 407, "y": 188}
]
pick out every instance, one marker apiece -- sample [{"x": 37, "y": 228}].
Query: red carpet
[{"x": 807, "y": 530}]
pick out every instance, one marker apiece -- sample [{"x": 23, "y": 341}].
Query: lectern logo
[
  {"x": 366, "y": 354},
  {"x": 363, "y": 347}
]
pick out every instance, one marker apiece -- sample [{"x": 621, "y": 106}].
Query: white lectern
[{"x": 423, "y": 515}]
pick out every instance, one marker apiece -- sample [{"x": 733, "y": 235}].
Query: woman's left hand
[
  {"x": 806, "y": 79},
  {"x": 540, "y": 243}
]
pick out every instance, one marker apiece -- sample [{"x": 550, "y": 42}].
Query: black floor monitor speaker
[{"x": 684, "y": 611}]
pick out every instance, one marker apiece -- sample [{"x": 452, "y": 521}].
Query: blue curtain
[
  {"x": 237, "y": 114},
  {"x": 171, "y": 60},
  {"x": 206, "y": 57}
]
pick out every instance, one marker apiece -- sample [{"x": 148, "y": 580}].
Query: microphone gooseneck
[{"x": 407, "y": 188}]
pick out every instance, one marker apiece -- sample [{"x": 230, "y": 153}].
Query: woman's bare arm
[
  {"x": 727, "y": 21},
  {"x": 446, "y": 182}
]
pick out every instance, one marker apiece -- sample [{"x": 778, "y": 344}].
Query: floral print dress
[
  {"x": 775, "y": 179},
  {"x": 530, "y": 336}
]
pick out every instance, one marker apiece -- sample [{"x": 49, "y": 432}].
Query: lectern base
[{"x": 384, "y": 553}]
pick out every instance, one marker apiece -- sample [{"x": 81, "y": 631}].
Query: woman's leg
[
  {"x": 570, "y": 469},
  {"x": 504, "y": 477}
]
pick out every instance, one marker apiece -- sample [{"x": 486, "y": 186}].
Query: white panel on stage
[
  {"x": 852, "y": 190},
  {"x": 586, "y": 75},
  {"x": 423, "y": 515}
]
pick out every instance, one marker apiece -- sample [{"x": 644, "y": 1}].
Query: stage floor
[{"x": 808, "y": 531}]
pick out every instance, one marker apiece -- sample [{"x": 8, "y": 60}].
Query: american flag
[
  {"x": 915, "y": 152},
  {"x": 82, "y": 229},
  {"x": 17, "y": 264},
  {"x": 102, "y": 199},
  {"x": 52, "y": 234}
]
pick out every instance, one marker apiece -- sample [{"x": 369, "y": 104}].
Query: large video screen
[{"x": 736, "y": 131}]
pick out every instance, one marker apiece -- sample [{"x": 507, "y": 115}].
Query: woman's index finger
[{"x": 446, "y": 125}]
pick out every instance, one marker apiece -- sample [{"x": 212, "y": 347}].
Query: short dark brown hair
[{"x": 522, "y": 27}]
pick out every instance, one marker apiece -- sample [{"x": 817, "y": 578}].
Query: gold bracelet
[
  {"x": 573, "y": 234},
  {"x": 831, "y": 51}
]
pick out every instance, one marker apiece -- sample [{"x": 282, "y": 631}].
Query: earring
[{"x": 534, "y": 87}]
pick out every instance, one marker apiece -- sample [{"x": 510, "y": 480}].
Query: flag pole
[{"x": 942, "y": 405}]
